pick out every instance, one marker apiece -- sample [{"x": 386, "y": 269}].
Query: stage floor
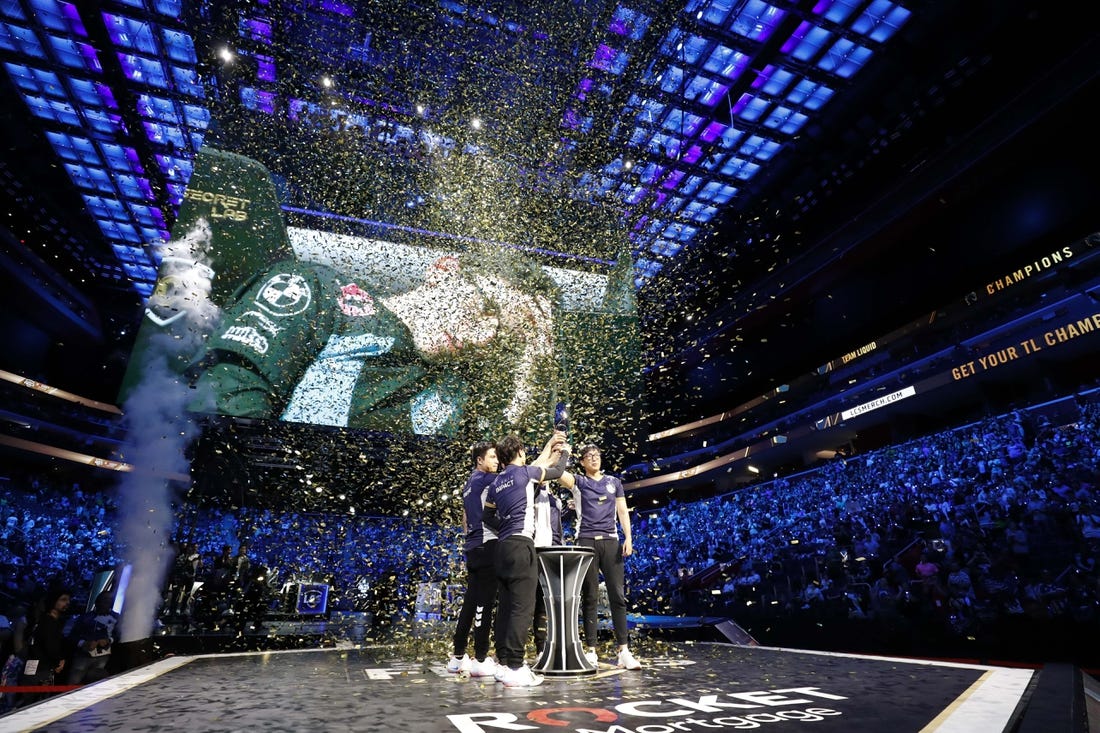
[{"x": 699, "y": 687}]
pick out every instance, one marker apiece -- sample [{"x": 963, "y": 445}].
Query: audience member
[{"x": 92, "y": 637}]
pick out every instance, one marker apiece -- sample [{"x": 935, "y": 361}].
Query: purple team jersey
[
  {"x": 595, "y": 502},
  {"x": 513, "y": 492},
  {"x": 473, "y": 501}
]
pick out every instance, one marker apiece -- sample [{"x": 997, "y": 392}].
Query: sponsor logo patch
[
  {"x": 284, "y": 295},
  {"x": 248, "y": 336},
  {"x": 356, "y": 302}
]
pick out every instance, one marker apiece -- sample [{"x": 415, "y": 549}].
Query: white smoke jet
[{"x": 159, "y": 427}]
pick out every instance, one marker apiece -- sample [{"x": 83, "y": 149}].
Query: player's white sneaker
[
  {"x": 627, "y": 660},
  {"x": 590, "y": 655},
  {"x": 456, "y": 665},
  {"x": 487, "y": 668},
  {"x": 522, "y": 677}
]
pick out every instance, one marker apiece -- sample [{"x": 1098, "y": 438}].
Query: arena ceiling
[{"x": 788, "y": 179}]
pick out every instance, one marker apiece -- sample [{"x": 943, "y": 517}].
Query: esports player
[
  {"x": 510, "y": 509},
  {"x": 481, "y": 579},
  {"x": 599, "y": 501},
  {"x": 304, "y": 343}
]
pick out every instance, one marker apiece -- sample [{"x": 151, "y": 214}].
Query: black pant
[
  {"x": 518, "y": 575},
  {"x": 477, "y": 604},
  {"x": 609, "y": 561}
]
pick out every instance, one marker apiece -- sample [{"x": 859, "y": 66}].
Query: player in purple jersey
[
  {"x": 481, "y": 580},
  {"x": 599, "y": 501},
  {"x": 510, "y": 510}
]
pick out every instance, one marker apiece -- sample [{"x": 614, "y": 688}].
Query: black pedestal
[{"x": 561, "y": 573}]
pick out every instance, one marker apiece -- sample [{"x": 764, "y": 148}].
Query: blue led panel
[
  {"x": 139, "y": 273},
  {"x": 175, "y": 192},
  {"x": 646, "y": 268},
  {"x": 609, "y": 59},
  {"x": 629, "y": 23},
  {"x": 133, "y": 255},
  {"x": 681, "y": 123},
  {"x": 665, "y": 248},
  {"x": 255, "y": 29},
  {"x": 714, "y": 160},
  {"x": 680, "y": 232},
  {"x": 705, "y": 91},
  {"x": 186, "y": 81},
  {"x": 649, "y": 111},
  {"x": 845, "y": 58},
  {"x": 786, "y": 120},
  {"x": 810, "y": 95},
  {"x": 773, "y": 80},
  {"x": 85, "y": 92},
  {"x": 715, "y": 12},
  {"x": 175, "y": 168},
  {"x": 53, "y": 110},
  {"x": 839, "y": 10},
  {"x": 168, "y": 8},
  {"x": 740, "y": 168},
  {"x": 59, "y": 16},
  {"x": 179, "y": 46},
  {"x": 131, "y": 34},
  {"x": 101, "y": 207},
  {"x": 881, "y": 20},
  {"x": 119, "y": 159},
  {"x": 143, "y": 70},
  {"x": 20, "y": 40},
  {"x": 672, "y": 80},
  {"x": 757, "y": 20},
  {"x": 102, "y": 121},
  {"x": 726, "y": 62},
  {"x": 93, "y": 179},
  {"x": 258, "y": 100},
  {"x": 75, "y": 149},
  {"x": 12, "y": 10},
  {"x": 807, "y": 41},
  {"x": 700, "y": 212},
  {"x": 614, "y": 168},
  {"x": 164, "y": 134},
  {"x": 157, "y": 108},
  {"x": 76, "y": 55},
  {"x": 673, "y": 204},
  {"x": 265, "y": 68},
  {"x": 144, "y": 214},
  {"x": 761, "y": 148},
  {"x": 662, "y": 144},
  {"x": 752, "y": 108}
]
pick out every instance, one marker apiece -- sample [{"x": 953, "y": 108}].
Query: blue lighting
[
  {"x": 629, "y": 23},
  {"x": 845, "y": 58},
  {"x": 20, "y": 40},
  {"x": 179, "y": 46},
  {"x": 131, "y": 34}
]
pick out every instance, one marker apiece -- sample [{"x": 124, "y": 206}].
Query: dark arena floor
[{"x": 683, "y": 687}]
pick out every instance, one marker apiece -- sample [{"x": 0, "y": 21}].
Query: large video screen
[{"x": 426, "y": 336}]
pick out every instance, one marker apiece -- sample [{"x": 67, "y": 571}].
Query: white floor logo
[{"x": 738, "y": 711}]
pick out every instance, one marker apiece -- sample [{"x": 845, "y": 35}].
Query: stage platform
[{"x": 683, "y": 688}]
